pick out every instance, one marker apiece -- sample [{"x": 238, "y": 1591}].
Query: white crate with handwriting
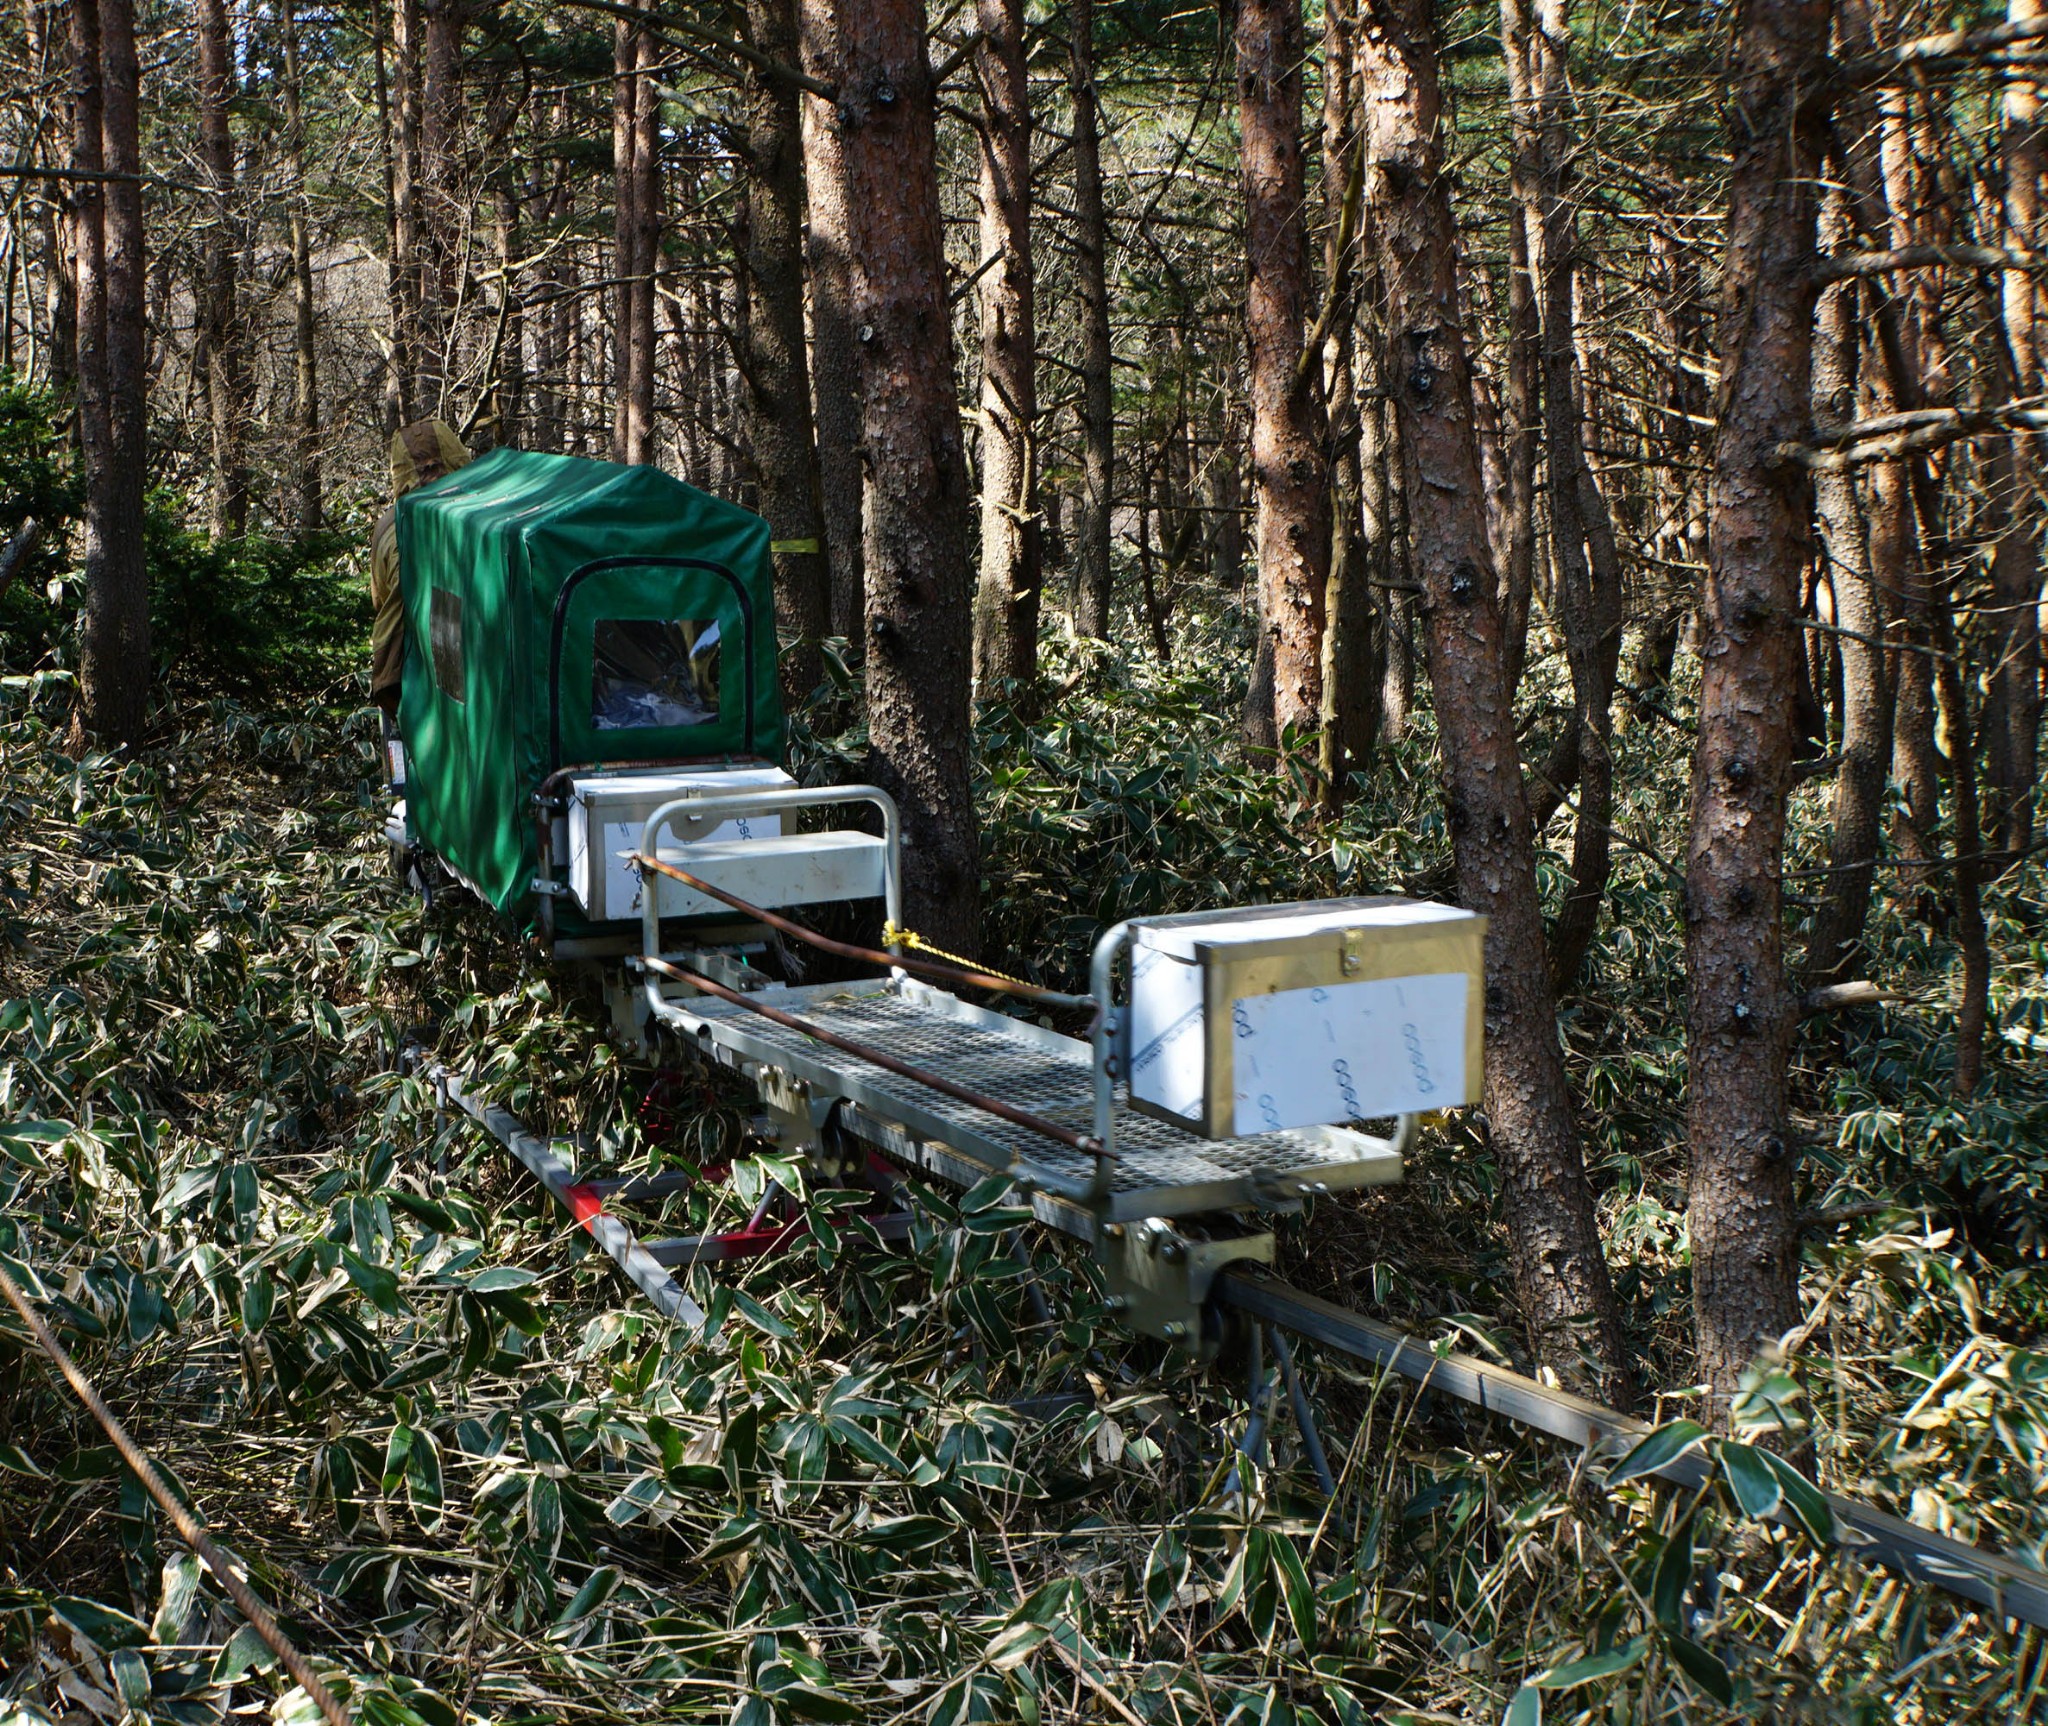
[{"x": 1250, "y": 1021}]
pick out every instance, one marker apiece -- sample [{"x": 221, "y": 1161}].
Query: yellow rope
[{"x": 895, "y": 935}]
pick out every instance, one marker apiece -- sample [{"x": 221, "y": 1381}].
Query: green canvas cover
[{"x": 562, "y": 612}]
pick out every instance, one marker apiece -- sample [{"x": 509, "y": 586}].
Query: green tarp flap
[{"x": 562, "y": 612}]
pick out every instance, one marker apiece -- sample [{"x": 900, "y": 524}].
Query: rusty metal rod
[
  {"x": 888, "y": 1063},
  {"x": 937, "y": 970},
  {"x": 190, "y": 1529}
]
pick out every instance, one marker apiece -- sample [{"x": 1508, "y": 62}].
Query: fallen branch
[
  {"x": 18, "y": 551},
  {"x": 1840, "y": 997}
]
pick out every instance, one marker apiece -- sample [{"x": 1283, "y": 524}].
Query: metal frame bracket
[
  {"x": 802, "y": 1122},
  {"x": 1160, "y": 1279}
]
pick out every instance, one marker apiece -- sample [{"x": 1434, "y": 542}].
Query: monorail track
[{"x": 1997, "y": 1583}]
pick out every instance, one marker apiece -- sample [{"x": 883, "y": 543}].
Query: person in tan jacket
[{"x": 422, "y": 451}]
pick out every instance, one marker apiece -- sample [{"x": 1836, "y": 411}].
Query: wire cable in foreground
[
  {"x": 951, "y": 969},
  {"x": 188, "y": 1526}
]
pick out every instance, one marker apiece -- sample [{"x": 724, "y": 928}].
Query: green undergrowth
[{"x": 481, "y": 1481}]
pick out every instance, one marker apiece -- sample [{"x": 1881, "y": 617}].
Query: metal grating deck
[{"x": 1163, "y": 1170}]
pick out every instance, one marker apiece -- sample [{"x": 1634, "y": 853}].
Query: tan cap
[{"x": 424, "y": 450}]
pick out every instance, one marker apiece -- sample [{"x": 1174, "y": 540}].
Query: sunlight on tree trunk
[
  {"x": 1561, "y": 1279},
  {"x": 1740, "y": 1012}
]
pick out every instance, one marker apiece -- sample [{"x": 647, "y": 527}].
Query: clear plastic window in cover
[{"x": 652, "y": 673}]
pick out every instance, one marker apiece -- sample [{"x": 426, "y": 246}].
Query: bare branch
[
  {"x": 1895, "y": 436},
  {"x": 1941, "y": 51},
  {"x": 1847, "y": 264}
]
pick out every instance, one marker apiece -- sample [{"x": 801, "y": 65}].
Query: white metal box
[
  {"x": 607, "y": 812},
  {"x": 1248, "y": 1021}
]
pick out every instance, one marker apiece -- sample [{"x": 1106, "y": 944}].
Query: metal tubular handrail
[{"x": 769, "y": 802}]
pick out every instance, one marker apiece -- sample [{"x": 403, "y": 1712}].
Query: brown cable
[
  {"x": 945, "y": 1087},
  {"x": 846, "y": 950},
  {"x": 188, "y": 1526}
]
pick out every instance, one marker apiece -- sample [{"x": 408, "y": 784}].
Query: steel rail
[
  {"x": 888, "y": 1063},
  {"x": 936, "y": 970},
  {"x": 1991, "y": 1579},
  {"x": 647, "y": 1273}
]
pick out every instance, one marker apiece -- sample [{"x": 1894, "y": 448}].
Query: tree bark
[
  {"x": 1350, "y": 670},
  {"x": 1523, "y": 432},
  {"x": 504, "y": 375},
  {"x": 1857, "y": 811},
  {"x": 220, "y": 250},
  {"x": 1561, "y": 1278},
  {"x": 113, "y": 634},
  {"x": 87, "y": 234},
  {"x": 1290, "y": 465},
  {"x": 835, "y": 368},
  {"x": 916, "y": 505},
  {"x": 1397, "y": 612},
  {"x": 636, "y": 226},
  {"x": 1012, "y": 568},
  {"x": 305, "y": 354},
  {"x": 1588, "y": 576},
  {"x": 1740, "y": 1012},
  {"x": 397, "y": 136},
  {"x": 776, "y": 377},
  {"x": 1091, "y": 285},
  {"x": 1973, "y": 1003},
  {"x": 1915, "y": 371},
  {"x": 2012, "y": 715},
  {"x": 443, "y": 207}
]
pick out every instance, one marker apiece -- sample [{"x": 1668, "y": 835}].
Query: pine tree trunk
[
  {"x": 87, "y": 238},
  {"x": 1857, "y": 809},
  {"x": 1973, "y": 1003},
  {"x": 1349, "y": 671},
  {"x": 443, "y": 208},
  {"x": 1561, "y": 1278},
  {"x": 636, "y": 179},
  {"x": 113, "y": 635},
  {"x": 1397, "y": 615},
  {"x": 401, "y": 270},
  {"x": 2013, "y": 712},
  {"x": 1290, "y": 465},
  {"x": 1914, "y": 374},
  {"x": 227, "y": 387},
  {"x": 920, "y": 637},
  {"x": 1740, "y": 1013},
  {"x": 1091, "y": 286},
  {"x": 1012, "y": 570},
  {"x": 1523, "y": 432},
  {"x": 1581, "y": 537},
  {"x": 835, "y": 365},
  {"x": 643, "y": 438},
  {"x": 306, "y": 486},
  {"x": 776, "y": 378}
]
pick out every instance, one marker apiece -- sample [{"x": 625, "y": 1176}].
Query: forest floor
[{"x": 479, "y": 1481}]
